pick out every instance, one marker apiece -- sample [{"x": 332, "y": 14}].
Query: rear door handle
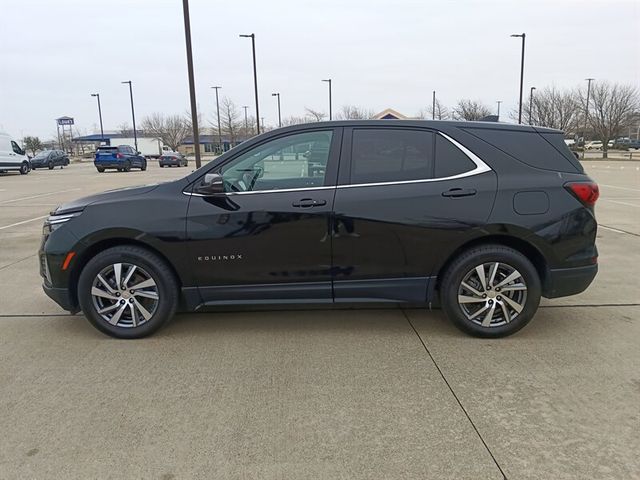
[
  {"x": 459, "y": 192},
  {"x": 308, "y": 203}
]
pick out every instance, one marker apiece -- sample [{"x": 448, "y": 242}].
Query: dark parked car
[
  {"x": 170, "y": 159},
  {"x": 49, "y": 159},
  {"x": 123, "y": 158},
  {"x": 481, "y": 218}
]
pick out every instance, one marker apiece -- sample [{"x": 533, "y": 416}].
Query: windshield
[{"x": 43, "y": 154}]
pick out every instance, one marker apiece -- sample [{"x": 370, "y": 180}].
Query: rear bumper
[
  {"x": 109, "y": 164},
  {"x": 563, "y": 282},
  {"x": 61, "y": 297}
]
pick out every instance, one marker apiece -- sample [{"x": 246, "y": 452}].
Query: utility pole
[
  {"x": 521, "y": 35},
  {"x": 246, "y": 120},
  {"x": 218, "y": 114},
  {"x": 279, "y": 117},
  {"x": 498, "y": 102},
  {"x": 133, "y": 114},
  {"x": 255, "y": 77},
  {"x": 192, "y": 82},
  {"x": 328, "y": 80},
  {"x": 99, "y": 114},
  {"x": 586, "y": 116},
  {"x": 433, "y": 106},
  {"x": 531, "y": 103}
]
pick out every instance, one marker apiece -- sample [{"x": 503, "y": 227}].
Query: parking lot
[{"x": 331, "y": 393}]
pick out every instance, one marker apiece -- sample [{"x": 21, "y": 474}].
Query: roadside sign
[{"x": 65, "y": 121}]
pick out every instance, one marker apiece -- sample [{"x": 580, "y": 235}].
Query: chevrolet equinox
[{"x": 480, "y": 218}]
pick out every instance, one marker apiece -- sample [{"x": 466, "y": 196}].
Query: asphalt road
[{"x": 326, "y": 394}]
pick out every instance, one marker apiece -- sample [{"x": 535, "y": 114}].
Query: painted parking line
[
  {"x": 621, "y": 203},
  {"x": 23, "y": 222},
  {"x": 619, "y": 188},
  {"x": 38, "y": 196}
]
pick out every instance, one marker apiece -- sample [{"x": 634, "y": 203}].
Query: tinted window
[
  {"x": 528, "y": 147},
  {"x": 450, "y": 160},
  {"x": 295, "y": 161},
  {"x": 389, "y": 155}
]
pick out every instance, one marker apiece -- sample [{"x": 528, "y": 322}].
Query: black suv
[
  {"x": 50, "y": 159},
  {"x": 481, "y": 218}
]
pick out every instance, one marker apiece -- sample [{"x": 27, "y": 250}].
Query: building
[
  {"x": 210, "y": 144},
  {"x": 390, "y": 114}
]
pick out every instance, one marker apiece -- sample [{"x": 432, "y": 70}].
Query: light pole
[
  {"x": 97, "y": 95},
  {"x": 328, "y": 80},
  {"x": 521, "y": 35},
  {"x": 133, "y": 115},
  {"x": 586, "y": 115},
  {"x": 255, "y": 77},
  {"x": 279, "y": 117},
  {"x": 433, "y": 106},
  {"x": 531, "y": 103},
  {"x": 218, "y": 114},
  {"x": 192, "y": 82},
  {"x": 246, "y": 120},
  {"x": 498, "y": 102}
]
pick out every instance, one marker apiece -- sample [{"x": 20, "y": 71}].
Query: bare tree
[
  {"x": 553, "y": 108},
  {"x": 314, "y": 115},
  {"x": 441, "y": 112},
  {"x": 611, "y": 110},
  {"x": 352, "y": 112},
  {"x": 32, "y": 144},
  {"x": 172, "y": 130},
  {"x": 230, "y": 122},
  {"x": 470, "y": 110},
  {"x": 125, "y": 129}
]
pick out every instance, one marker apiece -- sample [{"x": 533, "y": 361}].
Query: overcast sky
[{"x": 379, "y": 53}]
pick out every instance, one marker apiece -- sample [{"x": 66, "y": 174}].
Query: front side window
[
  {"x": 390, "y": 155},
  {"x": 16, "y": 148},
  {"x": 294, "y": 161}
]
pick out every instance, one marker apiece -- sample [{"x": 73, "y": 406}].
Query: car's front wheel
[
  {"x": 127, "y": 292},
  {"x": 143, "y": 167},
  {"x": 490, "y": 291},
  {"x": 127, "y": 166},
  {"x": 100, "y": 169}
]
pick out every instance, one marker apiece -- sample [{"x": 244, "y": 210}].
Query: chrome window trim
[{"x": 481, "y": 167}]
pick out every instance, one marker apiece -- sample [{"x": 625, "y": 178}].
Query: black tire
[
  {"x": 160, "y": 272},
  {"x": 24, "y": 168},
  {"x": 100, "y": 169},
  {"x": 127, "y": 166},
  {"x": 50, "y": 165},
  {"x": 464, "y": 264},
  {"x": 144, "y": 166}
]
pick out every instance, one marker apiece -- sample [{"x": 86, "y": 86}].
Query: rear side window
[
  {"x": 528, "y": 147},
  {"x": 450, "y": 160},
  {"x": 389, "y": 155},
  {"x": 557, "y": 141}
]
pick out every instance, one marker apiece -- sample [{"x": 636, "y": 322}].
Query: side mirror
[{"x": 211, "y": 184}]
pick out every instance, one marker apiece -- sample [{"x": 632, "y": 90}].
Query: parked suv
[
  {"x": 123, "y": 158},
  {"x": 50, "y": 159},
  {"x": 482, "y": 218}
]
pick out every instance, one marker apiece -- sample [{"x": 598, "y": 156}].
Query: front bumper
[
  {"x": 62, "y": 297},
  {"x": 562, "y": 282}
]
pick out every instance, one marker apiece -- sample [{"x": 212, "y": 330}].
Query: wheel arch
[
  {"x": 526, "y": 248},
  {"x": 97, "y": 247}
]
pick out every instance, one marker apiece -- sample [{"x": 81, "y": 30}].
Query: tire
[
  {"x": 100, "y": 169},
  {"x": 127, "y": 320},
  {"x": 143, "y": 167},
  {"x": 469, "y": 315},
  {"x": 50, "y": 165},
  {"x": 127, "y": 166},
  {"x": 24, "y": 168}
]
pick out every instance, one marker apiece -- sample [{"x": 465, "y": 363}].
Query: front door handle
[
  {"x": 459, "y": 192},
  {"x": 308, "y": 203}
]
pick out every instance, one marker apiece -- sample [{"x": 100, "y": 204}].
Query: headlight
[{"x": 54, "y": 221}]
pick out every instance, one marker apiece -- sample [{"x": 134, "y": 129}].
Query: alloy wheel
[
  {"x": 125, "y": 295},
  {"x": 492, "y": 294}
]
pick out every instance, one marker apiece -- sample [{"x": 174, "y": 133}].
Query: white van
[{"x": 12, "y": 157}]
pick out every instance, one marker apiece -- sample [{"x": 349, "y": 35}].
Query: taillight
[
  {"x": 119, "y": 155},
  {"x": 586, "y": 192}
]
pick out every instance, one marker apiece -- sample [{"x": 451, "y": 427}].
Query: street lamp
[
  {"x": 246, "y": 120},
  {"x": 255, "y": 77},
  {"x": 586, "y": 115},
  {"x": 133, "y": 114},
  {"x": 521, "y": 35},
  {"x": 279, "y": 117},
  {"x": 192, "y": 82},
  {"x": 498, "y": 102},
  {"x": 218, "y": 114},
  {"x": 328, "y": 80},
  {"x": 433, "y": 106},
  {"x": 97, "y": 95},
  {"x": 531, "y": 103}
]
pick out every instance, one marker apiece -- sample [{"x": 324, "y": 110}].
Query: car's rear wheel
[
  {"x": 490, "y": 291},
  {"x": 127, "y": 292},
  {"x": 24, "y": 168}
]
